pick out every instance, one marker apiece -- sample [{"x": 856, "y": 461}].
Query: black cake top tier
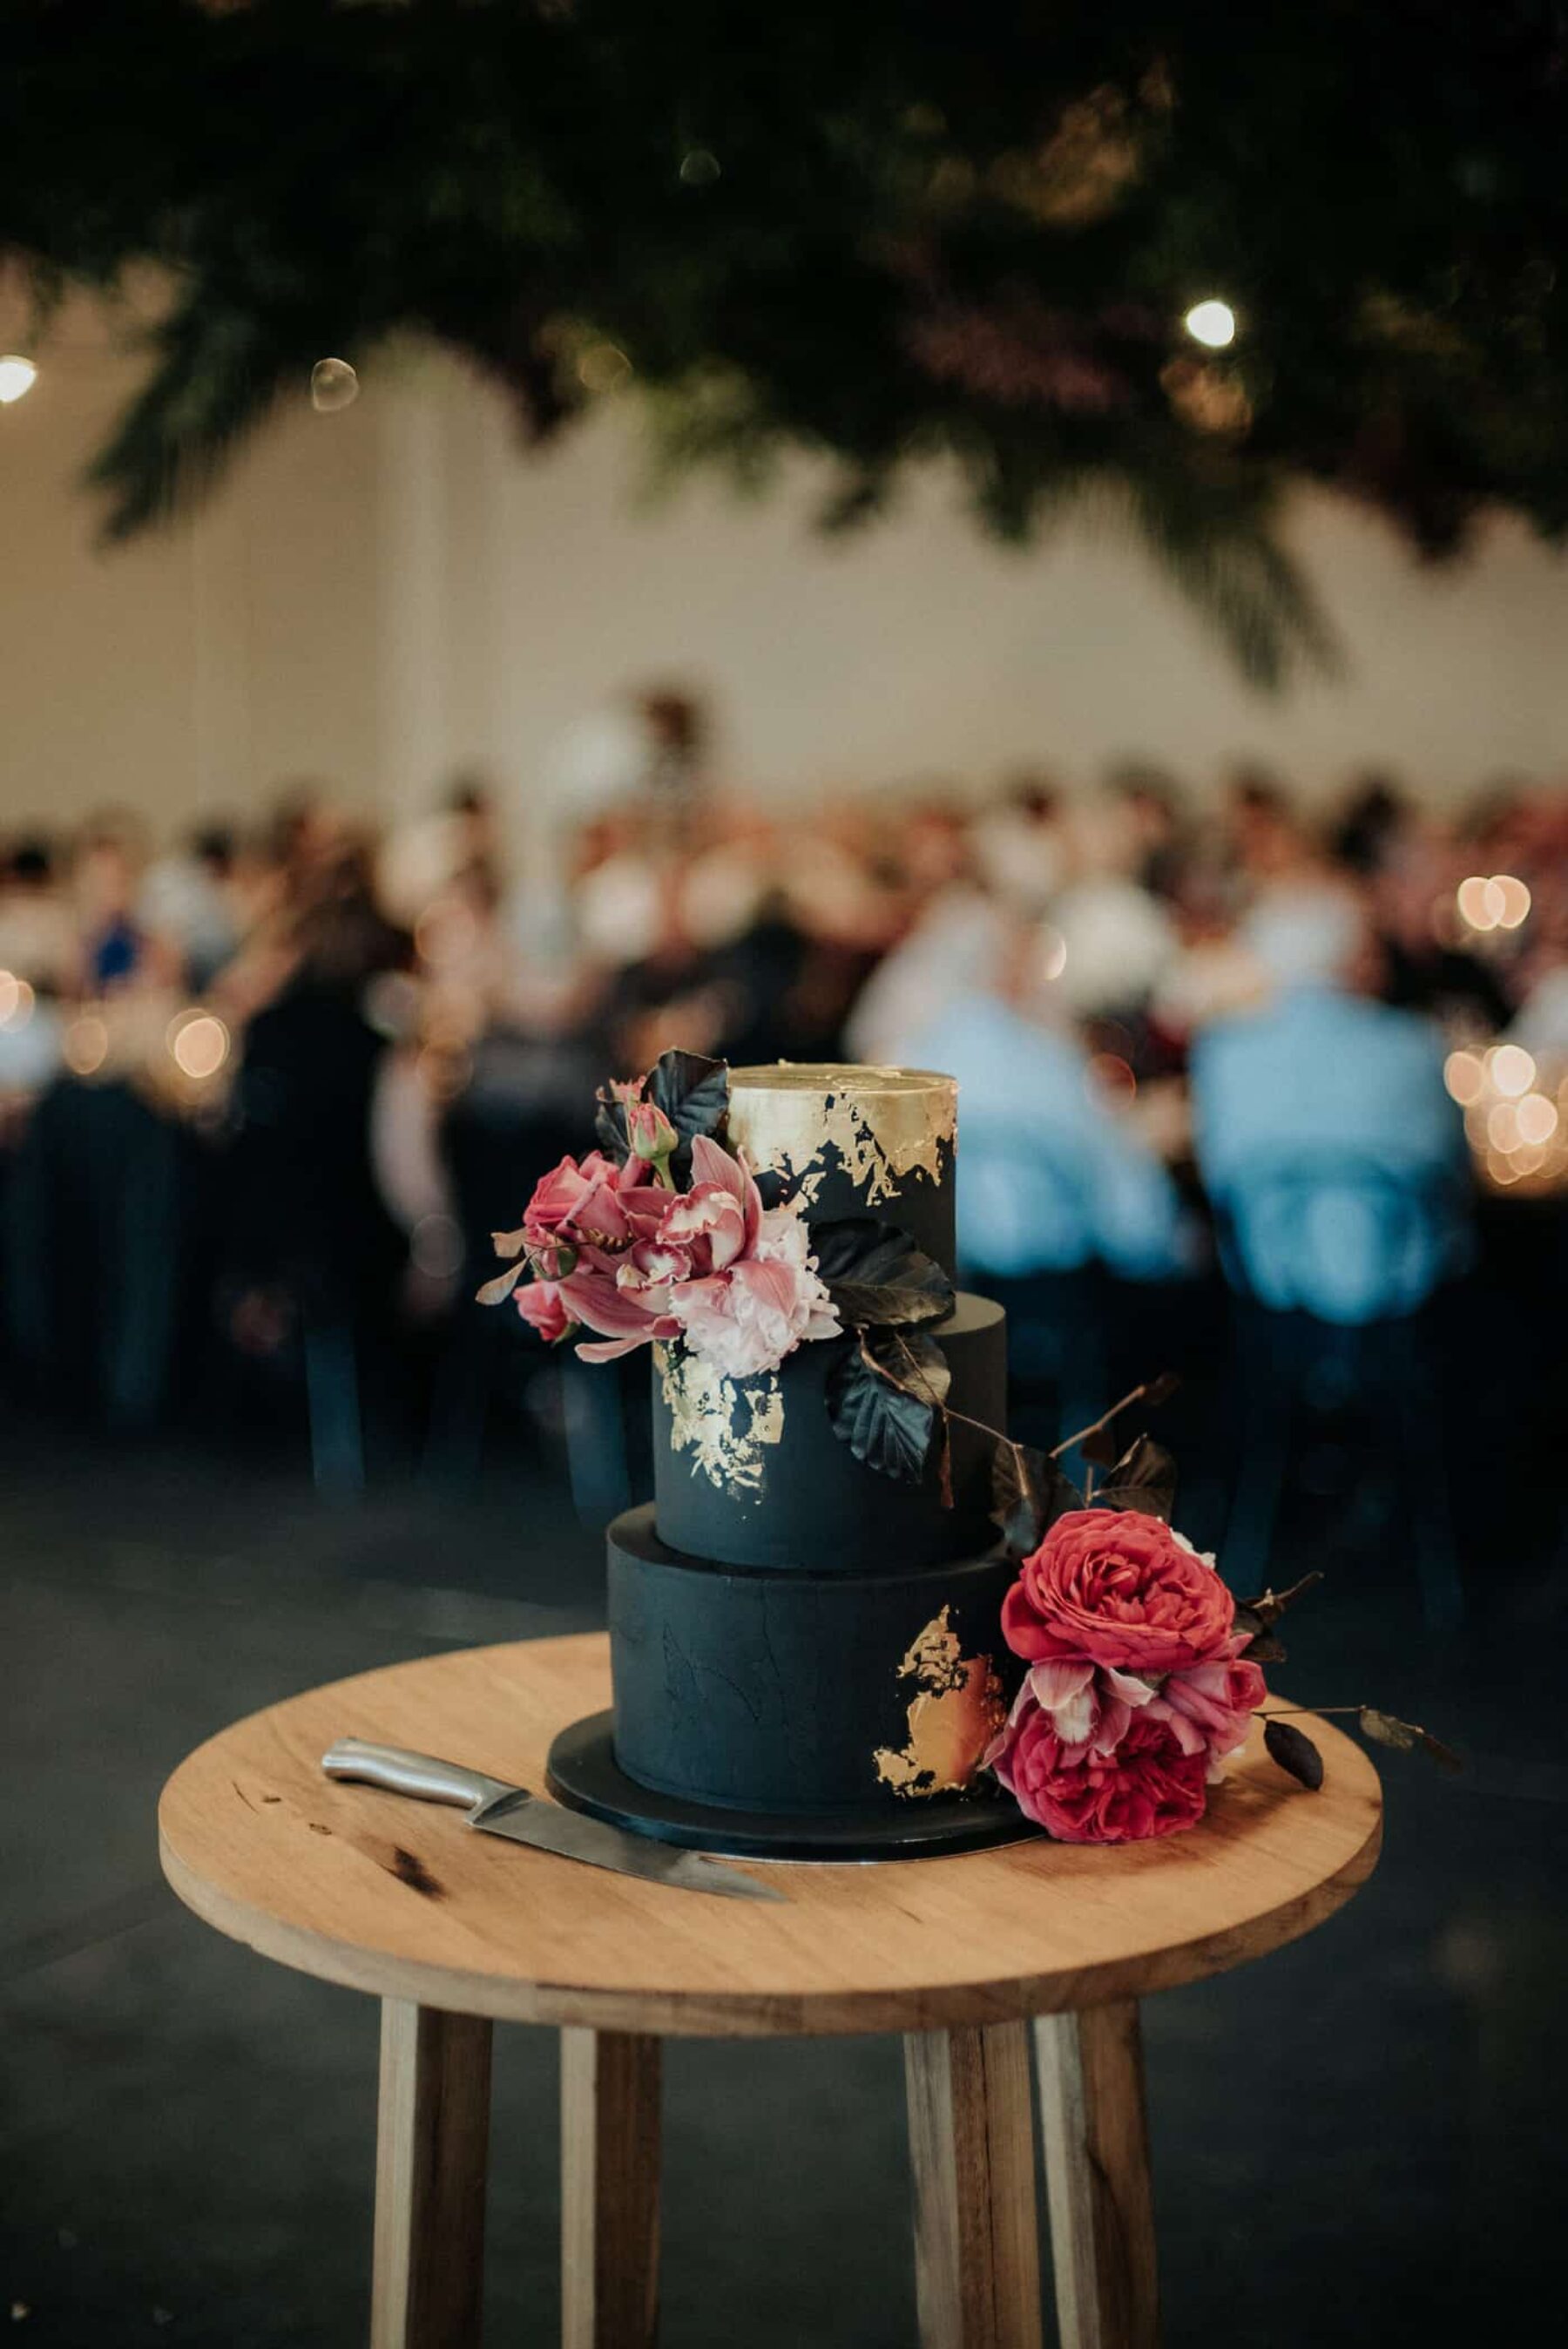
[{"x": 855, "y": 1141}]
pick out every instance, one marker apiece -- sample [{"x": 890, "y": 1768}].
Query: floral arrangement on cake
[
  {"x": 664, "y": 1235},
  {"x": 1144, "y": 1673}
]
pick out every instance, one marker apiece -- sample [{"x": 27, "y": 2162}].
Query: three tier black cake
[{"x": 806, "y": 1653}]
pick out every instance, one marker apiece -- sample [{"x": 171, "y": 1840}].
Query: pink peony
[
  {"x": 1120, "y": 1588},
  {"x": 1145, "y": 1786},
  {"x": 750, "y": 1293}
]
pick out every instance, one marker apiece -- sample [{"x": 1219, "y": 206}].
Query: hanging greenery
[{"x": 908, "y": 230}]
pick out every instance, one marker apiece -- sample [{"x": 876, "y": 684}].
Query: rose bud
[{"x": 651, "y": 1136}]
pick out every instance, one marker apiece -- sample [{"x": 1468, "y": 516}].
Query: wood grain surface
[
  {"x": 432, "y": 2142},
  {"x": 403, "y": 1899},
  {"x": 972, "y": 2157},
  {"x": 1096, "y": 2132}
]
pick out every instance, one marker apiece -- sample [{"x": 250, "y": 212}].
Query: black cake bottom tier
[{"x": 796, "y": 1715}]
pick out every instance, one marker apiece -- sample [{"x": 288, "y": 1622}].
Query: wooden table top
[{"x": 404, "y": 1900}]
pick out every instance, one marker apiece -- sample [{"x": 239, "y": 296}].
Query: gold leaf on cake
[
  {"x": 959, "y": 1710},
  {"x": 878, "y": 1125},
  {"x": 725, "y": 1424}
]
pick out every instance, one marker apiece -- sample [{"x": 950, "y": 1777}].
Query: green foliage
[{"x": 965, "y": 230}]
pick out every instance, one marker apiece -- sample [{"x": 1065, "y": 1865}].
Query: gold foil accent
[
  {"x": 724, "y": 1423},
  {"x": 960, "y": 1708},
  {"x": 883, "y": 1125}
]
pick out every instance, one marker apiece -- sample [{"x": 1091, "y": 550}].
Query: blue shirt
[
  {"x": 1329, "y": 1143},
  {"x": 1048, "y": 1178}
]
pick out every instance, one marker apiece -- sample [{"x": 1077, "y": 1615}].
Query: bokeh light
[
  {"x": 603, "y": 368},
  {"x": 15, "y": 1001},
  {"x": 1464, "y": 1076},
  {"x": 200, "y": 1044},
  {"x": 1537, "y": 1119},
  {"x": 1481, "y": 902},
  {"x": 1212, "y": 323},
  {"x": 17, "y": 376},
  {"x": 85, "y": 1045},
  {"x": 1511, "y": 1070},
  {"x": 332, "y": 385}
]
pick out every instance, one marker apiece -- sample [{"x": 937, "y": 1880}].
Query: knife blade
[{"x": 496, "y": 1809}]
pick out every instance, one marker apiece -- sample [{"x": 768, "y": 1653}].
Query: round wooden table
[{"x": 452, "y": 1930}]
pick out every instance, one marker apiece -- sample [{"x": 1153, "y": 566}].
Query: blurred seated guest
[
  {"x": 31, "y": 1031},
  {"x": 1150, "y": 805},
  {"x": 1116, "y": 943},
  {"x": 1049, "y": 1178},
  {"x": 949, "y": 950},
  {"x": 307, "y": 1228},
  {"x": 37, "y": 937},
  {"x": 187, "y": 898},
  {"x": 1326, "y": 1138},
  {"x": 1374, "y": 820},
  {"x": 1020, "y": 843},
  {"x": 1266, "y": 839},
  {"x": 117, "y": 947},
  {"x": 1214, "y": 972}
]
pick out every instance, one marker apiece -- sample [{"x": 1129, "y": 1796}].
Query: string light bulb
[
  {"x": 1212, "y": 323},
  {"x": 17, "y": 376}
]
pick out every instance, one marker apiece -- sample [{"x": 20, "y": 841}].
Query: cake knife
[{"x": 496, "y": 1809}]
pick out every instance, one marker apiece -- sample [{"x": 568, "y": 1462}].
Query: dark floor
[{"x": 1358, "y": 2140}]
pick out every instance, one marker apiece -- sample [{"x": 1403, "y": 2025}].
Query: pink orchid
[{"x": 753, "y": 1294}]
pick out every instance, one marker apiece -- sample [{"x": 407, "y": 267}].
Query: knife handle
[{"x": 420, "y": 1774}]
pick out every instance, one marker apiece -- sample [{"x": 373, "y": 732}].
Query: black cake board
[{"x": 583, "y": 1773}]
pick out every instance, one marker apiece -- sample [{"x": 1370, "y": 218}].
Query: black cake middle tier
[{"x": 750, "y": 1472}]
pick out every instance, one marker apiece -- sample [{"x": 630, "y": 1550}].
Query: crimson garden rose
[
  {"x": 1119, "y": 1588},
  {"x": 1144, "y": 1787}
]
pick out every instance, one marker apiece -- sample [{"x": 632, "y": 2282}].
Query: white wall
[{"x": 379, "y": 595}]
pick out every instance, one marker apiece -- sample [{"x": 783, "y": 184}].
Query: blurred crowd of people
[{"x": 1147, "y": 995}]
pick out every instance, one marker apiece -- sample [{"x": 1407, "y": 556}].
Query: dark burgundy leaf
[
  {"x": 909, "y": 1359},
  {"x": 1029, "y": 1494},
  {"x": 876, "y": 1276},
  {"x": 1265, "y": 1649},
  {"x": 884, "y": 1424},
  {"x": 610, "y": 1129},
  {"x": 1271, "y": 1606},
  {"x": 692, "y": 1091},
  {"x": 1247, "y": 1619},
  {"x": 1161, "y": 1389},
  {"x": 1143, "y": 1478},
  {"x": 1407, "y": 1737},
  {"x": 1293, "y": 1751},
  {"x": 1098, "y": 1447}
]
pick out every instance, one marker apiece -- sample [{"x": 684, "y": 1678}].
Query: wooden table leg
[
  {"x": 432, "y": 2145},
  {"x": 1096, "y": 2133},
  {"x": 609, "y": 2190},
  {"x": 972, "y": 2148}
]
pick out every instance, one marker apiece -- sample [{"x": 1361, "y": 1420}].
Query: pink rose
[
  {"x": 1209, "y": 1708},
  {"x": 593, "y": 1204},
  {"x": 541, "y": 1305},
  {"x": 1120, "y": 1588},
  {"x": 1146, "y": 1786},
  {"x": 751, "y": 1294}
]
